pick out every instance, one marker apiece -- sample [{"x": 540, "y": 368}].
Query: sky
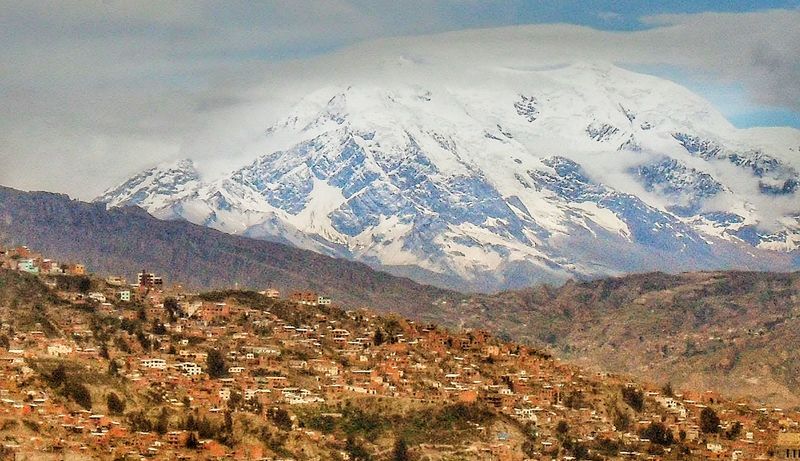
[{"x": 93, "y": 91}]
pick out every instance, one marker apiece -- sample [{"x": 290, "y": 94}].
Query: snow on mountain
[
  {"x": 155, "y": 188},
  {"x": 520, "y": 175}
]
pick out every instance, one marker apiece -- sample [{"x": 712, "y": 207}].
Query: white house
[
  {"x": 156, "y": 364},
  {"x": 190, "y": 368},
  {"x": 99, "y": 297},
  {"x": 59, "y": 350}
]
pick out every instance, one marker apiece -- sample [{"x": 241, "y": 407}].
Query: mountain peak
[
  {"x": 545, "y": 174},
  {"x": 164, "y": 180}
]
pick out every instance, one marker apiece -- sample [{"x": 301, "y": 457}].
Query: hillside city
[{"x": 107, "y": 368}]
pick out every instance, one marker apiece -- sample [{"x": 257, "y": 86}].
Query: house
[
  {"x": 212, "y": 311},
  {"x": 76, "y": 269},
  {"x": 323, "y": 301},
  {"x": 304, "y": 297},
  {"x": 149, "y": 280},
  {"x": 22, "y": 252},
  {"x": 99, "y": 297},
  {"x": 271, "y": 293},
  {"x": 115, "y": 280},
  {"x": 124, "y": 295},
  {"x": 340, "y": 335},
  {"x": 27, "y": 265},
  {"x": 190, "y": 368},
  {"x": 787, "y": 446},
  {"x": 59, "y": 350},
  {"x": 155, "y": 364},
  {"x": 49, "y": 266}
]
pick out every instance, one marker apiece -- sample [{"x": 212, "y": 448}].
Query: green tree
[
  {"x": 734, "y": 431},
  {"x": 400, "y": 452},
  {"x": 658, "y": 434},
  {"x": 162, "y": 425},
  {"x": 172, "y": 308},
  {"x": 58, "y": 376},
  {"x": 215, "y": 364},
  {"x": 633, "y": 397},
  {"x": 158, "y": 328},
  {"x": 144, "y": 341},
  {"x": 229, "y": 422},
  {"x": 281, "y": 418},
  {"x": 81, "y": 395},
  {"x": 113, "y": 368},
  {"x": 667, "y": 390},
  {"x": 622, "y": 421},
  {"x": 191, "y": 442},
  {"x": 356, "y": 451},
  {"x": 709, "y": 421},
  {"x": 378, "y": 339},
  {"x": 84, "y": 284},
  {"x": 116, "y": 406},
  {"x": 139, "y": 422},
  {"x": 104, "y": 351},
  {"x": 562, "y": 429}
]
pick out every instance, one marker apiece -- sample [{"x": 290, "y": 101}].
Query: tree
[
  {"x": 81, "y": 395},
  {"x": 658, "y": 434},
  {"x": 562, "y": 428},
  {"x": 116, "y": 406},
  {"x": 734, "y": 431},
  {"x": 667, "y": 390},
  {"x": 144, "y": 341},
  {"x": 378, "y": 339},
  {"x": 139, "y": 422},
  {"x": 228, "y": 422},
  {"x": 189, "y": 423},
  {"x": 281, "y": 418},
  {"x": 104, "y": 351},
  {"x": 172, "y": 308},
  {"x": 633, "y": 397},
  {"x": 400, "y": 452},
  {"x": 191, "y": 442},
  {"x": 235, "y": 400},
  {"x": 158, "y": 328},
  {"x": 58, "y": 376},
  {"x": 113, "y": 368},
  {"x": 163, "y": 422},
  {"x": 215, "y": 364},
  {"x": 84, "y": 284},
  {"x": 622, "y": 421},
  {"x": 356, "y": 451},
  {"x": 709, "y": 421}
]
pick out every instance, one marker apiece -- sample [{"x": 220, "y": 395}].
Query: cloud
[
  {"x": 760, "y": 50},
  {"x": 91, "y": 92}
]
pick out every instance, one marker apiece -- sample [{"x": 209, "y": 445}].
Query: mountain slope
[
  {"x": 123, "y": 240},
  {"x": 729, "y": 331},
  {"x": 504, "y": 177}
]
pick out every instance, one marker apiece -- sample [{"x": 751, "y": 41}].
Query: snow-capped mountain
[{"x": 514, "y": 177}]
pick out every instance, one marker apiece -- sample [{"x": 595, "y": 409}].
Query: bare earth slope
[
  {"x": 114, "y": 241},
  {"x": 731, "y": 331}
]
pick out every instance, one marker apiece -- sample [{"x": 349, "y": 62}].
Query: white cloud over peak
[{"x": 91, "y": 92}]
